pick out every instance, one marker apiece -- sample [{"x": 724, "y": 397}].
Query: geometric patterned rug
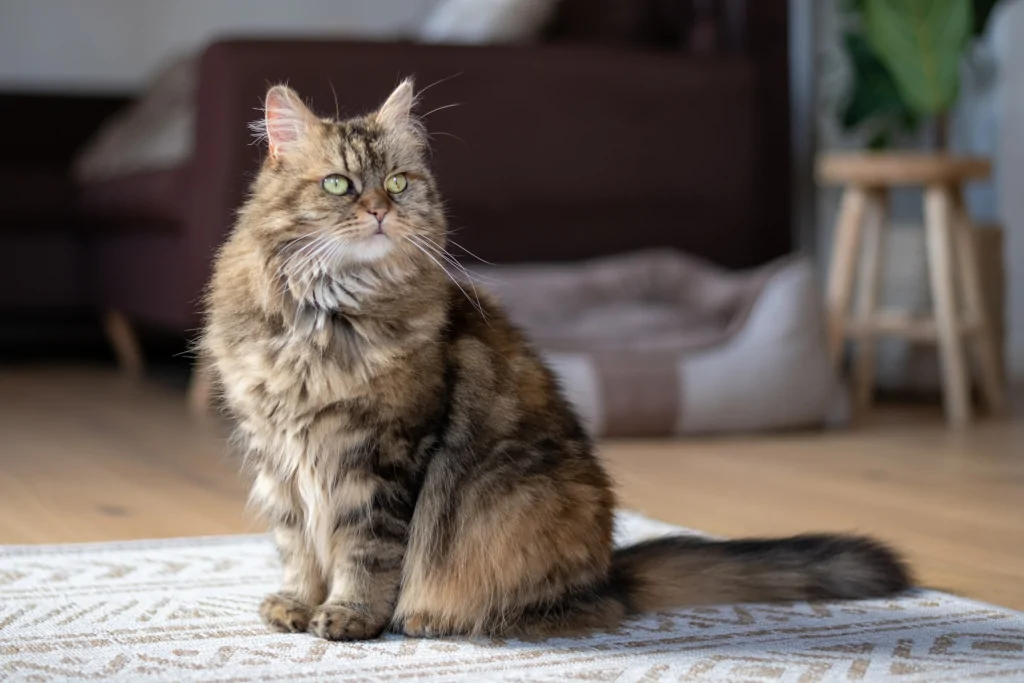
[{"x": 185, "y": 610}]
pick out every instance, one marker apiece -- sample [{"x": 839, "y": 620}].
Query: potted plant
[{"x": 906, "y": 57}]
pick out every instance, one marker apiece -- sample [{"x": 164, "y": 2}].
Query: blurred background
[{"x": 709, "y": 214}]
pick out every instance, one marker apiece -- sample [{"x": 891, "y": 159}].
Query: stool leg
[
  {"x": 867, "y": 295},
  {"x": 845, "y": 245},
  {"x": 976, "y": 311},
  {"x": 200, "y": 390},
  {"x": 938, "y": 208},
  {"x": 122, "y": 337}
]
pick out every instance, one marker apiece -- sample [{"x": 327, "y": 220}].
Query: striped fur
[{"x": 416, "y": 461}]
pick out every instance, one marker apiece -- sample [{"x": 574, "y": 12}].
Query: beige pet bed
[{"x": 657, "y": 343}]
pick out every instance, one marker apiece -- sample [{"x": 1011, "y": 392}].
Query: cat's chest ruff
[
  {"x": 339, "y": 293},
  {"x": 294, "y": 371},
  {"x": 346, "y": 292}
]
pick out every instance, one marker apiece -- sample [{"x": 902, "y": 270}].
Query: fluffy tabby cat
[{"x": 418, "y": 466}]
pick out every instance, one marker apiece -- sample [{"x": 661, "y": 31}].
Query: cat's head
[{"x": 343, "y": 196}]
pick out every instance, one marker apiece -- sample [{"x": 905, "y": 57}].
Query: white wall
[
  {"x": 1010, "y": 167},
  {"x": 114, "y": 44}
]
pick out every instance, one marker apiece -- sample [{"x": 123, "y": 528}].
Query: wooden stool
[{"x": 957, "y": 302}]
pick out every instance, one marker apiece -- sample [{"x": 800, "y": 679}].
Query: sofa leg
[
  {"x": 200, "y": 391},
  {"x": 122, "y": 337}
]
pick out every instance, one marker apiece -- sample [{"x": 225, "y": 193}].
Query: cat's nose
[{"x": 375, "y": 205}]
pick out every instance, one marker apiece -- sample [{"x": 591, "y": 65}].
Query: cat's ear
[
  {"x": 397, "y": 110},
  {"x": 286, "y": 121}
]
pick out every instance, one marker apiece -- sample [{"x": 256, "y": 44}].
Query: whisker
[
  {"x": 332, "y": 255},
  {"x": 450, "y": 135},
  {"x": 310, "y": 246},
  {"x": 304, "y": 267},
  {"x": 327, "y": 258},
  {"x": 473, "y": 300},
  {"x": 436, "y": 248},
  {"x": 472, "y": 283},
  {"x": 300, "y": 255},
  {"x": 321, "y": 257},
  {"x": 447, "y": 259},
  {"x": 305, "y": 248},
  {"x": 290, "y": 265},
  {"x": 476, "y": 304},
  {"x": 337, "y": 109},
  {"x": 478, "y": 258},
  {"x": 441, "y": 251},
  {"x": 447, "y": 106},
  {"x": 446, "y": 78}
]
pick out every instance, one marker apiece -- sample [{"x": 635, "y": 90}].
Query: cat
[{"x": 418, "y": 466}]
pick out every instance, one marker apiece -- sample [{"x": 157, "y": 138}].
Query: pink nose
[{"x": 378, "y": 213}]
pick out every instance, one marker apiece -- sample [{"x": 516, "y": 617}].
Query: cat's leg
[
  {"x": 303, "y": 586},
  {"x": 291, "y": 608},
  {"x": 368, "y": 544},
  {"x": 516, "y": 545}
]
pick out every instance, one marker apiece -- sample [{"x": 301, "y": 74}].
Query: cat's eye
[
  {"x": 336, "y": 184},
  {"x": 397, "y": 183}
]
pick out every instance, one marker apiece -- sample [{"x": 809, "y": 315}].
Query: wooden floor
[{"x": 87, "y": 456}]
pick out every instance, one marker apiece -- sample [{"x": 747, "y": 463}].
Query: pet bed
[{"x": 657, "y": 343}]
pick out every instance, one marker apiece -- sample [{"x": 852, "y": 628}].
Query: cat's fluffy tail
[{"x": 681, "y": 571}]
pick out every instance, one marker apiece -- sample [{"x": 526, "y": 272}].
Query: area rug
[{"x": 185, "y": 610}]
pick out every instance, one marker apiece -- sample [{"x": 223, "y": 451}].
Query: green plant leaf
[
  {"x": 921, "y": 42},
  {"x": 874, "y": 93}
]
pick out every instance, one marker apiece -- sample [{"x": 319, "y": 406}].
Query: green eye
[
  {"x": 397, "y": 183},
  {"x": 335, "y": 184}
]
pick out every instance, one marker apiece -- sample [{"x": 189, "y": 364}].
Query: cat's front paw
[
  {"x": 285, "y": 614},
  {"x": 344, "y": 622},
  {"x": 420, "y": 626}
]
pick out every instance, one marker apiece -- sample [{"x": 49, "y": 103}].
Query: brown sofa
[
  {"x": 585, "y": 146},
  {"x": 42, "y": 233}
]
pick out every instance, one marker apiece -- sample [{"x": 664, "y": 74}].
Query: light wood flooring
[{"x": 88, "y": 456}]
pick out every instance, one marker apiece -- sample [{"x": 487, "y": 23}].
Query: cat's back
[
  {"x": 493, "y": 354},
  {"x": 517, "y": 477}
]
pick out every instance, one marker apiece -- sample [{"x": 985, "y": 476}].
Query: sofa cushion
[
  {"x": 155, "y": 132},
  {"x": 493, "y": 21}
]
